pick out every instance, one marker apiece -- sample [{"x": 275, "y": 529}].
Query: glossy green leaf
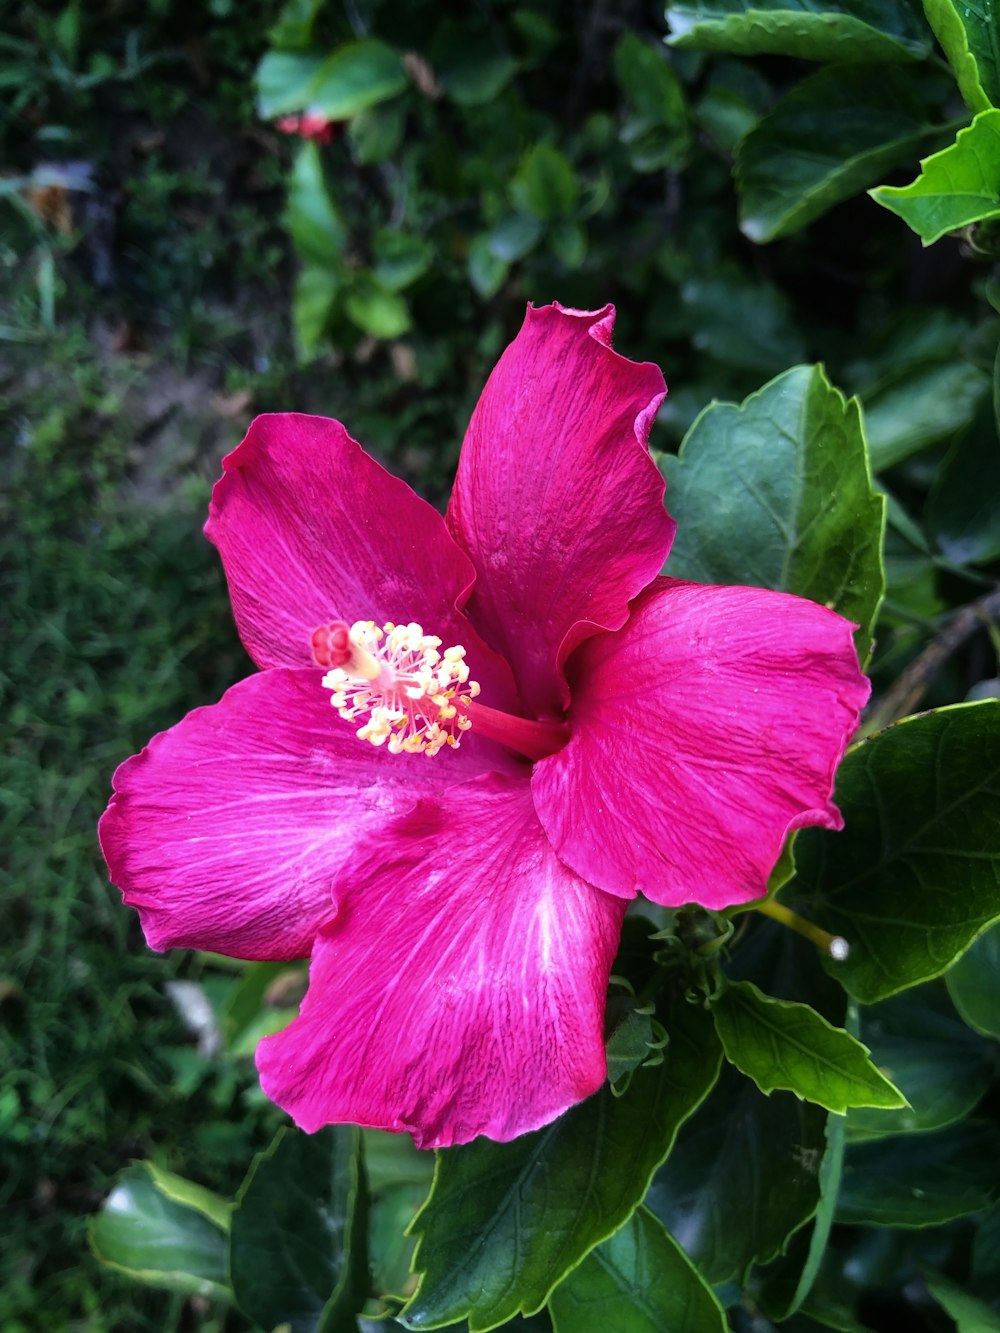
[
  {"x": 776, "y": 492},
  {"x": 317, "y": 228},
  {"x": 974, "y": 983},
  {"x": 283, "y": 82},
  {"x": 764, "y": 1152},
  {"x": 967, "y": 31},
  {"x": 970, "y": 1314},
  {"x": 986, "y": 1252},
  {"x": 399, "y": 258},
  {"x": 487, "y": 271},
  {"x": 829, "y": 138},
  {"x": 399, "y": 1180},
  {"x": 246, "y": 997},
  {"x": 630, "y": 1037},
  {"x": 568, "y": 242},
  {"x": 963, "y": 509},
  {"x": 956, "y": 187},
  {"x": 638, "y": 1281},
  {"x": 316, "y": 291},
  {"x": 928, "y": 404},
  {"x": 741, "y": 321},
  {"x": 787, "y": 1283},
  {"x": 376, "y": 310},
  {"x": 809, "y": 29},
  {"x": 773, "y": 956},
  {"x": 376, "y": 134},
  {"x": 514, "y": 236},
  {"x": 736, "y": 97},
  {"x": 298, "y": 1251},
  {"x": 656, "y": 129},
  {"x": 165, "y": 1232},
  {"x": 472, "y": 71},
  {"x": 915, "y": 874},
  {"x": 853, "y": 1262},
  {"x": 920, "y": 1180},
  {"x": 649, "y": 81},
  {"x": 941, "y": 1067},
  {"x": 506, "y": 1221},
  {"x": 545, "y": 184},
  {"x": 788, "y": 1046},
  {"x": 293, "y": 29},
  {"x": 355, "y": 77}
]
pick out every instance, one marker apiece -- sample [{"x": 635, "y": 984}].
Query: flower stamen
[{"x": 397, "y": 682}]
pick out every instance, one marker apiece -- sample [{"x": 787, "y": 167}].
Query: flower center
[{"x": 397, "y": 680}]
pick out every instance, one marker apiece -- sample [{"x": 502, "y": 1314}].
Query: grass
[{"x": 117, "y": 622}]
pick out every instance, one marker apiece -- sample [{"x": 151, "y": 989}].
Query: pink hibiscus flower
[{"x": 460, "y": 888}]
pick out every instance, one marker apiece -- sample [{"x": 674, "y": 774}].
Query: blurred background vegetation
[{"x": 173, "y": 261}]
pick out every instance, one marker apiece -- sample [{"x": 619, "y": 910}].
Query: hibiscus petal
[
  {"x": 461, "y": 988},
  {"x": 702, "y": 733},
  {"x": 227, "y": 831},
  {"x": 557, "y": 499},
  {"x": 311, "y": 529}
]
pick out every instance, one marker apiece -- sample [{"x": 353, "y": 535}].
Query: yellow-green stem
[{"x": 834, "y": 945}]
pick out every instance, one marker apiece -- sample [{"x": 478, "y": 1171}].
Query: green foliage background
[{"x": 171, "y": 263}]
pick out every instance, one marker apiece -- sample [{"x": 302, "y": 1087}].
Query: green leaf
[
  {"x": 399, "y": 258},
  {"x": 829, "y": 138},
  {"x": 487, "y": 271},
  {"x": 630, "y": 1037},
  {"x": 246, "y": 997},
  {"x": 956, "y": 187},
  {"x": 514, "y": 236},
  {"x": 298, "y": 1241},
  {"x": 967, "y": 31},
  {"x": 928, "y": 404},
  {"x": 765, "y": 1153},
  {"x": 808, "y": 29},
  {"x": 786, "y": 963},
  {"x": 283, "y": 81},
  {"x": 776, "y": 492},
  {"x": 376, "y": 310},
  {"x": 471, "y": 69},
  {"x": 788, "y": 1046},
  {"x": 399, "y": 1179},
  {"x": 915, "y": 874},
  {"x": 357, "y": 76},
  {"x": 506, "y": 1221},
  {"x": 920, "y": 1180},
  {"x": 649, "y": 81},
  {"x": 191, "y": 1195},
  {"x": 974, "y": 983},
  {"x": 376, "y": 134},
  {"x": 741, "y": 321},
  {"x": 568, "y": 242},
  {"x": 317, "y": 228},
  {"x": 941, "y": 1067},
  {"x": 790, "y": 1279},
  {"x": 165, "y": 1232},
  {"x": 638, "y": 1281},
  {"x": 970, "y": 1314},
  {"x": 963, "y": 509},
  {"x": 545, "y": 185},
  {"x": 316, "y": 291},
  {"x": 294, "y": 26},
  {"x": 656, "y": 132},
  {"x": 986, "y": 1252}
]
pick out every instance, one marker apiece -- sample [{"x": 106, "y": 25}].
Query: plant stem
[
  {"x": 834, "y": 945},
  {"x": 911, "y": 686}
]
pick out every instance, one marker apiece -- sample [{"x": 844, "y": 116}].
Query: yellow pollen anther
[{"x": 404, "y": 688}]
